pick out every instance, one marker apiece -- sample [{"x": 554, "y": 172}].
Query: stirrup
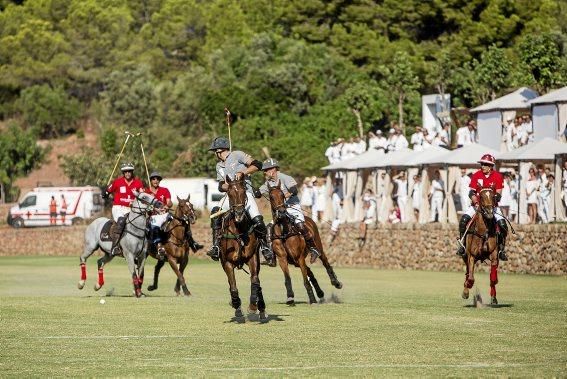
[
  {"x": 268, "y": 255},
  {"x": 214, "y": 253},
  {"x": 116, "y": 250}
]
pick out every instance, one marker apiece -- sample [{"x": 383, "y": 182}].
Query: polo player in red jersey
[
  {"x": 122, "y": 190},
  {"x": 486, "y": 177},
  {"x": 161, "y": 216}
]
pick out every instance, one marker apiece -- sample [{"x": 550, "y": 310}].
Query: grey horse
[{"x": 133, "y": 242}]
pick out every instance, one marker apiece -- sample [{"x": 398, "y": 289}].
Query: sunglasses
[{"x": 485, "y": 165}]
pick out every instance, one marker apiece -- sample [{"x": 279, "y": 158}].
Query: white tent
[
  {"x": 549, "y": 114},
  {"x": 391, "y": 159},
  {"x": 545, "y": 149},
  {"x": 491, "y": 115},
  {"x": 468, "y": 155},
  {"x": 419, "y": 157},
  {"x": 368, "y": 158}
]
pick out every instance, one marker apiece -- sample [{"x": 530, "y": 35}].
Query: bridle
[
  {"x": 186, "y": 217},
  {"x": 278, "y": 209},
  {"x": 484, "y": 210},
  {"x": 237, "y": 189}
]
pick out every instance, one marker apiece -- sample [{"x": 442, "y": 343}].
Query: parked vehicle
[
  {"x": 204, "y": 191},
  {"x": 33, "y": 209}
]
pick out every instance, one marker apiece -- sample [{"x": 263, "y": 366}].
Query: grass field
[{"x": 382, "y": 323}]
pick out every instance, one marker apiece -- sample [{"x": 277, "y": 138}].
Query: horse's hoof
[
  {"x": 81, "y": 284},
  {"x": 313, "y": 302},
  {"x": 187, "y": 293},
  {"x": 322, "y": 300},
  {"x": 465, "y": 295},
  {"x": 97, "y": 286},
  {"x": 337, "y": 284},
  {"x": 290, "y": 301},
  {"x": 493, "y": 301},
  {"x": 152, "y": 288},
  {"x": 238, "y": 313},
  {"x": 252, "y": 311},
  {"x": 263, "y": 316}
]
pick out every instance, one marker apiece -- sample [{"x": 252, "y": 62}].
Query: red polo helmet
[{"x": 488, "y": 159}]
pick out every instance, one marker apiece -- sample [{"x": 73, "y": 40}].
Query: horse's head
[
  {"x": 237, "y": 198},
  {"x": 277, "y": 201},
  {"x": 486, "y": 203},
  {"x": 145, "y": 202},
  {"x": 185, "y": 211}
]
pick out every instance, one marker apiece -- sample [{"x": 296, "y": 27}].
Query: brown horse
[
  {"x": 481, "y": 243},
  {"x": 177, "y": 246},
  {"x": 289, "y": 246},
  {"x": 239, "y": 246}
]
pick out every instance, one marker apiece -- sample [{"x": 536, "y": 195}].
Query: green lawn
[{"x": 382, "y": 323}]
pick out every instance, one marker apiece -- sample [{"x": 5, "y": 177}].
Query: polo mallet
[
  {"x": 145, "y": 163},
  {"x": 220, "y": 211},
  {"x": 128, "y": 135},
  {"x": 228, "y": 122}
]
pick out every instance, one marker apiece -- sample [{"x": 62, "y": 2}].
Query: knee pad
[
  {"x": 463, "y": 223},
  {"x": 215, "y": 222}
]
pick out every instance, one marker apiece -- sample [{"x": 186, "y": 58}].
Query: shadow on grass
[
  {"x": 489, "y": 306},
  {"x": 254, "y": 317}
]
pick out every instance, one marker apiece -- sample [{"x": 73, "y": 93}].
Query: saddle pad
[{"x": 107, "y": 231}]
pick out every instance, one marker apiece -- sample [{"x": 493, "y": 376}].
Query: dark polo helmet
[
  {"x": 220, "y": 143},
  {"x": 270, "y": 163}
]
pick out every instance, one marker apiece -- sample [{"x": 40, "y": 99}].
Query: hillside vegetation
[{"x": 294, "y": 73}]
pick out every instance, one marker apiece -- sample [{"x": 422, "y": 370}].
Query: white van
[
  {"x": 204, "y": 191},
  {"x": 33, "y": 209}
]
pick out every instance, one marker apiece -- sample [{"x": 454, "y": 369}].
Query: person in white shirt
[
  {"x": 542, "y": 178},
  {"x": 392, "y": 137},
  {"x": 381, "y": 142},
  {"x": 315, "y": 192},
  {"x": 360, "y": 145},
  {"x": 509, "y": 133},
  {"x": 436, "y": 196},
  {"x": 372, "y": 141},
  {"x": 401, "y": 195},
  {"x": 463, "y": 136},
  {"x": 464, "y": 183},
  {"x": 307, "y": 194},
  {"x": 321, "y": 198},
  {"x": 337, "y": 200},
  {"x": 472, "y": 131},
  {"x": 513, "y": 183},
  {"x": 347, "y": 151},
  {"x": 416, "y": 196},
  {"x": 443, "y": 136},
  {"x": 338, "y": 152},
  {"x": 369, "y": 209},
  {"x": 529, "y": 128},
  {"x": 546, "y": 194},
  {"x": 506, "y": 199},
  {"x": 329, "y": 153},
  {"x": 416, "y": 139},
  {"x": 427, "y": 140},
  {"x": 401, "y": 141},
  {"x": 564, "y": 173},
  {"x": 532, "y": 185}
]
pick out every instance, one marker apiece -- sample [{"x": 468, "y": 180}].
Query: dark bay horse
[
  {"x": 177, "y": 246},
  {"x": 133, "y": 242},
  {"x": 482, "y": 244},
  {"x": 239, "y": 246},
  {"x": 289, "y": 246}
]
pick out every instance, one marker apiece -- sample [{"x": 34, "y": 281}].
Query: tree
[
  {"x": 402, "y": 82},
  {"x": 541, "y": 56},
  {"x": 50, "y": 111},
  {"x": 362, "y": 97},
  {"x": 491, "y": 74},
  {"x": 19, "y": 154}
]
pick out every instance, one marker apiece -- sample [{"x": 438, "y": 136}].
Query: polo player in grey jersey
[
  {"x": 237, "y": 165},
  {"x": 288, "y": 185}
]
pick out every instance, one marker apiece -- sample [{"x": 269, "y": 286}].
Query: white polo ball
[{"x": 102, "y": 301}]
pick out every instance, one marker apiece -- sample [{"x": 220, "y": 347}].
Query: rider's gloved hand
[
  {"x": 256, "y": 192},
  {"x": 497, "y": 197},
  {"x": 105, "y": 194}
]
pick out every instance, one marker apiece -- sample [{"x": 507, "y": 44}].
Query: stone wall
[{"x": 535, "y": 249}]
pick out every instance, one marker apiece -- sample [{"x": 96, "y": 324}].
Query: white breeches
[
  {"x": 158, "y": 219},
  {"x": 465, "y": 201},
  {"x": 543, "y": 209},
  {"x": 496, "y": 210},
  {"x": 402, "y": 204},
  {"x": 119, "y": 211},
  {"x": 296, "y": 213},
  {"x": 251, "y": 206},
  {"x": 436, "y": 207}
]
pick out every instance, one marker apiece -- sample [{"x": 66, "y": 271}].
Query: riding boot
[
  {"x": 462, "y": 228},
  {"x": 120, "y": 226},
  {"x": 216, "y": 225},
  {"x": 503, "y": 231},
  {"x": 308, "y": 241},
  {"x": 194, "y": 245},
  {"x": 261, "y": 233}
]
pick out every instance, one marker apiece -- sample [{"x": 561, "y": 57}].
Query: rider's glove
[
  {"x": 105, "y": 194},
  {"x": 497, "y": 197},
  {"x": 256, "y": 192}
]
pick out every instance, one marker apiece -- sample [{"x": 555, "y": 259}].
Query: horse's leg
[
  {"x": 234, "y": 298},
  {"x": 287, "y": 279},
  {"x": 255, "y": 287},
  {"x": 182, "y": 264},
  {"x": 141, "y": 270},
  {"x": 493, "y": 279},
  {"x": 334, "y": 280},
  {"x": 157, "y": 269},
  {"x": 88, "y": 250},
  {"x": 315, "y": 284},
  {"x": 306, "y": 282},
  {"x": 173, "y": 264},
  {"x": 100, "y": 263},
  {"x": 471, "y": 264},
  {"x": 132, "y": 267},
  {"x": 465, "y": 294}
]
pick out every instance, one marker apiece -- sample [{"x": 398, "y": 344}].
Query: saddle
[{"x": 110, "y": 232}]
